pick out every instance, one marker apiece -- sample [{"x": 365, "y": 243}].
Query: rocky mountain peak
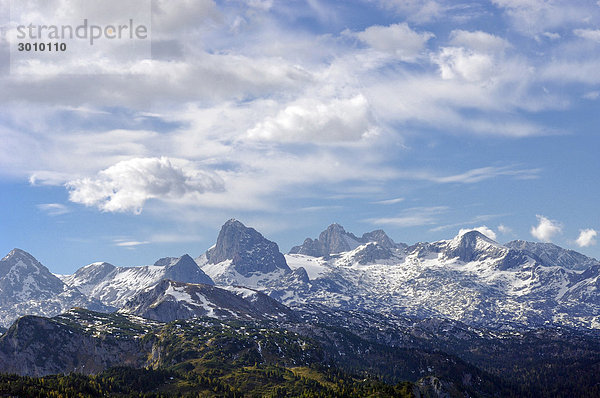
[
  {"x": 379, "y": 236},
  {"x": 249, "y": 251},
  {"x": 28, "y": 287},
  {"x": 185, "y": 269},
  {"x": 472, "y": 238},
  {"x": 92, "y": 273},
  {"x": 18, "y": 253},
  {"x": 335, "y": 239},
  {"x": 474, "y": 245},
  {"x": 16, "y": 256},
  {"x": 20, "y": 273},
  {"x": 165, "y": 261}
]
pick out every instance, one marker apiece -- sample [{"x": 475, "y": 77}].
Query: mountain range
[
  {"x": 435, "y": 314},
  {"x": 469, "y": 278}
]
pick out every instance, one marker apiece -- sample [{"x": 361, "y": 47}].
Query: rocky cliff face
[
  {"x": 249, "y": 252},
  {"x": 185, "y": 269}
]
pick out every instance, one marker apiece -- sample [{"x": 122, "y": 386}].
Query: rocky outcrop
[{"x": 248, "y": 250}]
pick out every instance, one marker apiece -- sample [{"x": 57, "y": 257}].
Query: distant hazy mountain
[{"x": 336, "y": 240}]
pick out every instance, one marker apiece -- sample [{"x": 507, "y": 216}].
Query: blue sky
[{"x": 418, "y": 117}]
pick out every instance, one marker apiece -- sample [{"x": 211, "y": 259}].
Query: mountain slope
[
  {"x": 469, "y": 278},
  {"x": 78, "y": 341},
  {"x": 549, "y": 254},
  {"x": 170, "y": 300},
  {"x": 28, "y": 287},
  {"x": 114, "y": 286}
]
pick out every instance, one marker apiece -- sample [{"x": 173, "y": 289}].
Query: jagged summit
[
  {"x": 335, "y": 239},
  {"x": 20, "y": 272},
  {"x": 165, "y": 261},
  {"x": 18, "y": 252},
  {"x": 185, "y": 269},
  {"x": 248, "y": 250}
]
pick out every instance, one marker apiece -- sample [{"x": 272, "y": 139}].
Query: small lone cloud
[
  {"x": 126, "y": 243},
  {"x": 551, "y": 35},
  {"x": 413, "y": 217},
  {"x": 546, "y": 229},
  {"x": 587, "y": 237},
  {"x": 388, "y": 201},
  {"x": 53, "y": 209},
  {"x": 504, "y": 229}
]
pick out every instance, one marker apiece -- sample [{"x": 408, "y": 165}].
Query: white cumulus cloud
[
  {"x": 478, "y": 41},
  {"x": 587, "y": 237},
  {"x": 127, "y": 185},
  {"x": 546, "y": 229},
  {"x": 589, "y": 34},
  {"x": 504, "y": 229},
  {"x": 397, "y": 39},
  {"x": 311, "y": 119},
  {"x": 466, "y": 64}
]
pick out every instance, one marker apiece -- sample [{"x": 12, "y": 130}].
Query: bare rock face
[
  {"x": 372, "y": 252},
  {"x": 335, "y": 239},
  {"x": 185, "y": 269},
  {"x": 248, "y": 250},
  {"x": 473, "y": 246}
]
